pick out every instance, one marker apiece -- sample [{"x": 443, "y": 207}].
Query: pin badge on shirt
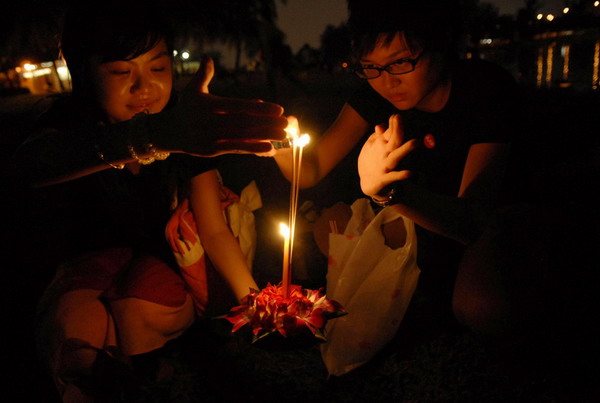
[{"x": 429, "y": 141}]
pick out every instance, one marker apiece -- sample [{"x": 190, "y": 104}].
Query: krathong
[
  {"x": 287, "y": 309},
  {"x": 270, "y": 311}
]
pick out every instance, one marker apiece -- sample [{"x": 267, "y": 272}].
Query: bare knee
[
  {"x": 143, "y": 326},
  {"x": 481, "y": 313},
  {"x": 480, "y": 300},
  {"x": 81, "y": 315}
]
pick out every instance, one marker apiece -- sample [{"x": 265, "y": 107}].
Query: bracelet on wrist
[
  {"x": 391, "y": 198},
  {"x": 138, "y": 127}
]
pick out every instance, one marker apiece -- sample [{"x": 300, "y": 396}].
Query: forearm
[
  {"x": 309, "y": 175},
  {"x": 461, "y": 219},
  {"x": 324, "y": 153},
  {"x": 224, "y": 252},
  {"x": 59, "y": 156}
]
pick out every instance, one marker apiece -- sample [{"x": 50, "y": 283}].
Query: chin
[{"x": 403, "y": 105}]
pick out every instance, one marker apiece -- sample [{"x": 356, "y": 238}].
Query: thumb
[
  {"x": 200, "y": 81},
  {"x": 208, "y": 72}
]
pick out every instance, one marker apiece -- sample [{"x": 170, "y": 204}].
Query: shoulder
[
  {"x": 482, "y": 76},
  {"x": 486, "y": 97},
  {"x": 482, "y": 87}
]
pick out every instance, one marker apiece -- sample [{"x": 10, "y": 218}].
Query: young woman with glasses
[{"x": 442, "y": 129}]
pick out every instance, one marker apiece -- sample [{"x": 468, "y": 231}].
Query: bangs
[
  {"x": 365, "y": 44},
  {"x": 129, "y": 47},
  {"x": 429, "y": 24}
]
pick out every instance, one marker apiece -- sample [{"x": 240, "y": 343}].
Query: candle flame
[
  {"x": 284, "y": 230},
  {"x": 302, "y": 140}
]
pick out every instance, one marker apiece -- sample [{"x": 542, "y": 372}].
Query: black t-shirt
[
  {"x": 481, "y": 109},
  {"x": 111, "y": 208}
]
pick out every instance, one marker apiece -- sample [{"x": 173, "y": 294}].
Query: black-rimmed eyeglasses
[{"x": 400, "y": 66}]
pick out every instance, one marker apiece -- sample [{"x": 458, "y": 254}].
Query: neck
[{"x": 437, "y": 98}]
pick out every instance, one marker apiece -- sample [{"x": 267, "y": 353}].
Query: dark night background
[{"x": 558, "y": 159}]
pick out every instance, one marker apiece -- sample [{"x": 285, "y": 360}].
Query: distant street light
[
  {"x": 565, "y": 10},
  {"x": 539, "y": 16},
  {"x": 550, "y": 17},
  {"x": 185, "y": 55},
  {"x": 596, "y": 3}
]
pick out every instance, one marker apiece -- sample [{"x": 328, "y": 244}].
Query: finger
[
  {"x": 187, "y": 234},
  {"x": 396, "y": 132},
  {"x": 241, "y": 147},
  {"x": 248, "y": 134},
  {"x": 270, "y": 153},
  {"x": 401, "y": 152},
  {"x": 173, "y": 243},
  {"x": 372, "y": 138},
  {"x": 379, "y": 129},
  {"x": 292, "y": 121},
  {"x": 293, "y": 126},
  {"x": 208, "y": 72},
  {"x": 236, "y": 105},
  {"x": 195, "y": 84},
  {"x": 244, "y": 122},
  {"x": 395, "y": 176}
]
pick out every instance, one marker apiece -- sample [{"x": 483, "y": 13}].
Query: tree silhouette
[
  {"x": 247, "y": 25},
  {"x": 479, "y": 21},
  {"x": 29, "y": 31},
  {"x": 335, "y": 46}
]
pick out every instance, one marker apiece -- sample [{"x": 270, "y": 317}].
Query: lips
[
  {"x": 141, "y": 106},
  {"x": 398, "y": 97}
]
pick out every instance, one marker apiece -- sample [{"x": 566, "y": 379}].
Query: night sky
[{"x": 304, "y": 21}]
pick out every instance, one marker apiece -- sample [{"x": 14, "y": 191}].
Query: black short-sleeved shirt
[
  {"x": 113, "y": 208},
  {"x": 481, "y": 109}
]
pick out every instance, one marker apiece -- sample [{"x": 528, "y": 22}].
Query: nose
[
  {"x": 390, "y": 80},
  {"x": 142, "y": 84}
]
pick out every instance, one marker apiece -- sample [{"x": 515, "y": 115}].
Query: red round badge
[{"x": 429, "y": 141}]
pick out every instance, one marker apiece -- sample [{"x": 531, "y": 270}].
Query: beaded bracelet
[
  {"x": 150, "y": 149},
  {"x": 139, "y": 124}
]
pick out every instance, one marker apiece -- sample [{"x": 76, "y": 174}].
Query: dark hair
[
  {"x": 432, "y": 24},
  {"x": 109, "y": 30}
]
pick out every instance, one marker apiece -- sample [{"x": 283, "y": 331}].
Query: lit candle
[
  {"x": 285, "y": 231},
  {"x": 297, "y": 143}
]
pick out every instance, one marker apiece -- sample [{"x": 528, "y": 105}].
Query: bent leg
[
  {"x": 144, "y": 326},
  {"x": 70, "y": 334},
  {"x": 519, "y": 274}
]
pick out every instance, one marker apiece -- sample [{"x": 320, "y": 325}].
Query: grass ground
[{"x": 438, "y": 361}]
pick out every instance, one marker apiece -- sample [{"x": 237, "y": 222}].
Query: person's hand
[
  {"x": 208, "y": 125},
  {"x": 284, "y": 151},
  {"x": 380, "y": 155}
]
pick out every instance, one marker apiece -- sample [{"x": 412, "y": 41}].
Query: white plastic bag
[{"x": 374, "y": 284}]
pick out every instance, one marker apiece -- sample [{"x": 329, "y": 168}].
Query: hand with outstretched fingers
[
  {"x": 380, "y": 156},
  {"x": 207, "y": 125}
]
